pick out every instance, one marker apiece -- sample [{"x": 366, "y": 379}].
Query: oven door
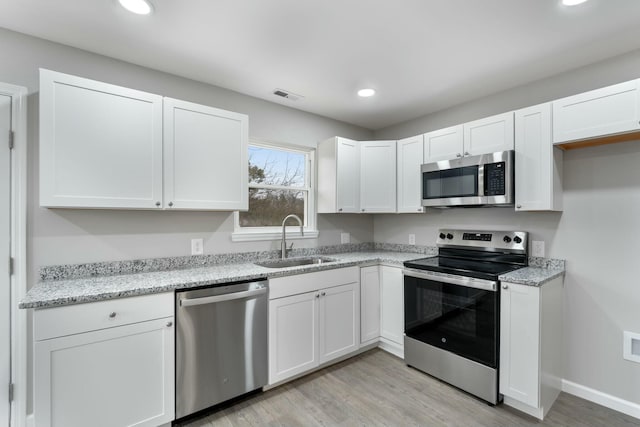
[{"x": 458, "y": 314}]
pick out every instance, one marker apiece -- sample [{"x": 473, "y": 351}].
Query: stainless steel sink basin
[{"x": 294, "y": 262}]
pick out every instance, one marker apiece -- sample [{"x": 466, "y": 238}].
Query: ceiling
[{"x": 420, "y": 55}]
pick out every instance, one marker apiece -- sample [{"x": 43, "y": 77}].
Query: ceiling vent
[{"x": 288, "y": 95}]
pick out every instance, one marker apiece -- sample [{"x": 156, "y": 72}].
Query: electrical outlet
[
  {"x": 345, "y": 238},
  {"x": 537, "y": 248},
  {"x": 412, "y": 239},
  {"x": 197, "y": 246}
]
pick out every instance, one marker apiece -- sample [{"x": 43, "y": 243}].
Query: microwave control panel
[{"x": 495, "y": 178}]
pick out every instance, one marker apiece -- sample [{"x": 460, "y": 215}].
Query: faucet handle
[{"x": 290, "y": 246}]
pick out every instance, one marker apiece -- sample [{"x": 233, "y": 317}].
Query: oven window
[
  {"x": 456, "y": 318},
  {"x": 458, "y": 182}
]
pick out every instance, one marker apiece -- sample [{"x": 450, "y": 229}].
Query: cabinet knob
[
  {"x": 362, "y": 210},
  {"x": 519, "y": 206},
  {"x": 419, "y": 209},
  {"x": 323, "y": 294},
  {"x": 169, "y": 324},
  {"x": 458, "y": 155},
  {"x": 317, "y": 295},
  {"x": 505, "y": 286},
  {"x": 112, "y": 314},
  {"x": 158, "y": 204},
  {"x": 170, "y": 204},
  {"x": 340, "y": 210},
  {"x": 466, "y": 153}
]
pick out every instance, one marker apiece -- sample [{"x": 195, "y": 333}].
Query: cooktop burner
[
  {"x": 478, "y": 254},
  {"x": 463, "y": 267}
]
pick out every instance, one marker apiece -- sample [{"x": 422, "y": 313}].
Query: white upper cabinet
[
  {"x": 205, "y": 151},
  {"x": 539, "y": 163},
  {"x": 489, "y": 135},
  {"x": 409, "y": 188},
  {"x": 338, "y": 175},
  {"x": 606, "y": 111},
  {"x": 443, "y": 144},
  {"x": 100, "y": 144},
  {"x": 377, "y": 176},
  {"x": 105, "y": 146}
]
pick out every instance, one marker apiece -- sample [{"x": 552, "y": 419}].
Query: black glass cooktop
[{"x": 463, "y": 267}]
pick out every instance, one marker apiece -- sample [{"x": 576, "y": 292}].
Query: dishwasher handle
[{"x": 189, "y": 302}]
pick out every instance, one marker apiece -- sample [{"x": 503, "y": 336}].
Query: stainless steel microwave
[{"x": 484, "y": 180}]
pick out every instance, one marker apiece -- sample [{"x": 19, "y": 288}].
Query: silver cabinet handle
[
  {"x": 170, "y": 204},
  {"x": 340, "y": 210},
  {"x": 505, "y": 286},
  {"x": 169, "y": 324},
  {"x": 112, "y": 314},
  {"x": 220, "y": 298},
  {"x": 158, "y": 203},
  {"x": 466, "y": 153},
  {"x": 323, "y": 294},
  {"x": 362, "y": 210},
  {"x": 519, "y": 206},
  {"x": 419, "y": 209},
  {"x": 317, "y": 295},
  {"x": 458, "y": 155}
]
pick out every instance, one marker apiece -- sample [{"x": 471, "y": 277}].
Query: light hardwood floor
[{"x": 377, "y": 389}]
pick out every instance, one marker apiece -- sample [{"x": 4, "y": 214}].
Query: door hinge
[
  {"x": 11, "y": 140},
  {"x": 10, "y": 266},
  {"x": 11, "y": 392}
]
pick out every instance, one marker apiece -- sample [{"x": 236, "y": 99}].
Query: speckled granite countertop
[
  {"x": 81, "y": 283},
  {"x": 55, "y": 293}
]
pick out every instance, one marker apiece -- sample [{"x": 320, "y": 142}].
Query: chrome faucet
[{"x": 283, "y": 244}]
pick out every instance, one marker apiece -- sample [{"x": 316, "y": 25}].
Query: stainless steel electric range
[{"x": 452, "y": 307}]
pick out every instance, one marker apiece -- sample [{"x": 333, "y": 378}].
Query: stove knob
[
  {"x": 507, "y": 239},
  {"x": 442, "y": 235},
  {"x": 449, "y": 236},
  {"x": 517, "y": 239}
]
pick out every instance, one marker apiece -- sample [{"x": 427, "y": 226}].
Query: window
[{"x": 279, "y": 185}]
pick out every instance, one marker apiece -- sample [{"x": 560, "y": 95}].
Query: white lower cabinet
[
  {"x": 313, "y": 318},
  {"x": 117, "y": 376},
  {"x": 531, "y": 346},
  {"x": 369, "y": 305},
  {"x": 392, "y": 310}
]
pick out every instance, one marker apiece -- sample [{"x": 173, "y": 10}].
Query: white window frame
[{"x": 244, "y": 234}]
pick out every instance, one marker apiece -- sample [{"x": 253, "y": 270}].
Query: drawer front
[
  {"x": 309, "y": 282},
  {"x": 74, "y": 319}
]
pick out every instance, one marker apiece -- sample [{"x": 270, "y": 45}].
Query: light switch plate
[
  {"x": 537, "y": 248},
  {"x": 412, "y": 239},
  {"x": 197, "y": 246},
  {"x": 345, "y": 238}
]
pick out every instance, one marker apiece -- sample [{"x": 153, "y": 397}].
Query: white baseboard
[
  {"x": 392, "y": 347},
  {"x": 626, "y": 407}
]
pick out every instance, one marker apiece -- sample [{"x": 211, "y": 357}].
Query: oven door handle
[{"x": 470, "y": 282}]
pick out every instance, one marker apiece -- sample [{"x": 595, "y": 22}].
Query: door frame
[{"x": 18, "y": 281}]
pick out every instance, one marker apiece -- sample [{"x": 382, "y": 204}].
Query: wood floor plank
[{"x": 378, "y": 389}]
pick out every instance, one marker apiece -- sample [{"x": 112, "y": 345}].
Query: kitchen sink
[{"x": 294, "y": 262}]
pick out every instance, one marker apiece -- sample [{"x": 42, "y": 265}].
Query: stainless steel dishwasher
[{"x": 221, "y": 344}]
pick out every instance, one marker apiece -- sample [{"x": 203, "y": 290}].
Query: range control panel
[{"x": 511, "y": 241}]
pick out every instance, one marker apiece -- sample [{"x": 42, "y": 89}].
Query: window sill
[{"x": 254, "y": 236}]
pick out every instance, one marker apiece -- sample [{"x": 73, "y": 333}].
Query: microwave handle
[{"x": 482, "y": 181}]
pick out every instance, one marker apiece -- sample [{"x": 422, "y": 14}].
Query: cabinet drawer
[
  {"x": 309, "y": 282},
  {"x": 75, "y": 319}
]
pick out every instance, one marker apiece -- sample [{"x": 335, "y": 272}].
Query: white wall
[
  {"x": 58, "y": 236},
  {"x": 597, "y": 233}
]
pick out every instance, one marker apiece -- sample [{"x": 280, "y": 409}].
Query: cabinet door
[
  {"x": 293, "y": 335},
  {"x": 378, "y": 176},
  {"x": 100, "y": 144},
  {"x": 610, "y": 110},
  {"x": 409, "y": 189},
  {"x": 538, "y": 171},
  {"x": 443, "y": 144},
  {"x": 347, "y": 175},
  {"x": 392, "y": 304},
  {"x": 489, "y": 135},
  {"x": 114, "y": 377},
  {"x": 520, "y": 342},
  {"x": 205, "y": 157},
  {"x": 339, "y": 321},
  {"x": 369, "y": 304}
]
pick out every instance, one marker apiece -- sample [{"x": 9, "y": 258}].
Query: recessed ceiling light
[
  {"x": 140, "y": 7},
  {"x": 572, "y": 2},
  {"x": 365, "y": 93}
]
